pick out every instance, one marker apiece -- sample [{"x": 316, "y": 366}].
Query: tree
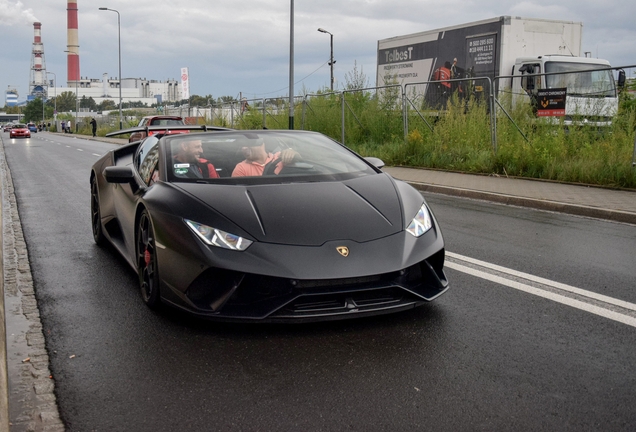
[
  {"x": 11, "y": 109},
  {"x": 227, "y": 99},
  {"x": 107, "y": 105},
  {"x": 33, "y": 111},
  {"x": 356, "y": 80},
  {"x": 134, "y": 104},
  {"x": 66, "y": 101},
  {"x": 88, "y": 103},
  {"x": 196, "y": 100}
]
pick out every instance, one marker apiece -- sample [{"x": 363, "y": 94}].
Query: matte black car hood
[{"x": 311, "y": 214}]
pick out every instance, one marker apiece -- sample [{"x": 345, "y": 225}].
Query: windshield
[
  {"x": 166, "y": 122},
  {"x": 257, "y": 157},
  {"x": 583, "y": 81}
]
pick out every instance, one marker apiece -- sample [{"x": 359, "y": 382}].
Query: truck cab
[{"x": 592, "y": 96}]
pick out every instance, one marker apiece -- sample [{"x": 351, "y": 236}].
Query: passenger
[
  {"x": 257, "y": 158},
  {"x": 189, "y": 157}
]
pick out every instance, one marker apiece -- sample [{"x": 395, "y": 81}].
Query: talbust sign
[{"x": 397, "y": 56}]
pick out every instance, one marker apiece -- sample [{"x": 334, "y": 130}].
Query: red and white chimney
[
  {"x": 37, "y": 79},
  {"x": 38, "y": 51},
  {"x": 73, "y": 63}
]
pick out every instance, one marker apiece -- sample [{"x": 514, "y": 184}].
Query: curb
[
  {"x": 4, "y": 377},
  {"x": 32, "y": 404},
  {"x": 573, "y": 209}
]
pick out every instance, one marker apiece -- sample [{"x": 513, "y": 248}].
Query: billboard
[
  {"x": 437, "y": 56},
  {"x": 413, "y": 59},
  {"x": 185, "y": 83}
]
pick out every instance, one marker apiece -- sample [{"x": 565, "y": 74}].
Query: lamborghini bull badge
[{"x": 343, "y": 250}]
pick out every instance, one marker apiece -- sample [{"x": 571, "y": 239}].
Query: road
[{"x": 509, "y": 347}]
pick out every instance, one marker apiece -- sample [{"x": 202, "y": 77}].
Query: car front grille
[{"x": 234, "y": 294}]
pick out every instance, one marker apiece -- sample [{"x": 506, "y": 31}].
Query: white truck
[{"x": 502, "y": 47}]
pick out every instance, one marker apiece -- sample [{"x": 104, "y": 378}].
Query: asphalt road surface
[{"x": 538, "y": 330}]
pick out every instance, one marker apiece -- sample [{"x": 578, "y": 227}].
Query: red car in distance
[
  {"x": 158, "y": 120},
  {"x": 19, "y": 130}
]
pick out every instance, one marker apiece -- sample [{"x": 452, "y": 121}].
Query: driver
[
  {"x": 257, "y": 158},
  {"x": 188, "y": 159}
]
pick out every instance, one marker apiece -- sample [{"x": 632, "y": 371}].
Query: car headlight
[
  {"x": 218, "y": 238},
  {"x": 421, "y": 223}
]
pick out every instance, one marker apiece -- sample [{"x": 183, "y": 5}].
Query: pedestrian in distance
[
  {"x": 64, "y": 126},
  {"x": 94, "y": 126}
]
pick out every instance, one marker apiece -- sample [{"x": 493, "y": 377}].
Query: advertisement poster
[
  {"x": 481, "y": 55},
  {"x": 185, "y": 83},
  {"x": 551, "y": 102},
  {"x": 437, "y": 64}
]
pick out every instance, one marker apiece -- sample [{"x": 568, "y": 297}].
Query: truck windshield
[{"x": 582, "y": 81}]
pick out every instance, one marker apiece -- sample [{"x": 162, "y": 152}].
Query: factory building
[{"x": 132, "y": 90}]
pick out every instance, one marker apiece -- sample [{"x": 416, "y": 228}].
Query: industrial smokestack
[
  {"x": 73, "y": 64},
  {"x": 37, "y": 84}
]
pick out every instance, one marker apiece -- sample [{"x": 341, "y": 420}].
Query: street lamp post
[
  {"x": 291, "y": 65},
  {"x": 76, "y": 95},
  {"x": 331, "y": 60},
  {"x": 54, "y": 97},
  {"x": 121, "y": 125}
]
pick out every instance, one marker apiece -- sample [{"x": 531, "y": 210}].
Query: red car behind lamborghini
[{"x": 19, "y": 131}]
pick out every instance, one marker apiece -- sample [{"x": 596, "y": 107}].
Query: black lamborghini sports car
[{"x": 266, "y": 226}]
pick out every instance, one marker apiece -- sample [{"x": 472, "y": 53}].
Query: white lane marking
[
  {"x": 568, "y": 301},
  {"x": 558, "y": 285},
  {"x": 95, "y": 154},
  {"x": 80, "y": 150},
  {"x": 68, "y": 146}
]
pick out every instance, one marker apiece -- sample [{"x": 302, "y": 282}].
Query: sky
[{"x": 242, "y": 48}]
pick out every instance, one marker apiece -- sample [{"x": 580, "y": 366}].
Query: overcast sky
[{"x": 233, "y": 47}]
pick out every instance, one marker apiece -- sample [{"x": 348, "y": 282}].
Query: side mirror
[
  {"x": 118, "y": 174},
  {"x": 378, "y": 163},
  {"x": 621, "y": 78}
]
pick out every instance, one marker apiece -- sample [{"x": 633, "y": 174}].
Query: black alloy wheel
[
  {"x": 147, "y": 261},
  {"x": 96, "y": 218}
]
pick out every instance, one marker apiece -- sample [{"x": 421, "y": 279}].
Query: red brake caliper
[{"x": 147, "y": 257}]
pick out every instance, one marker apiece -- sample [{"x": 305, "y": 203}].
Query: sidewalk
[{"x": 581, "y": 200}]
